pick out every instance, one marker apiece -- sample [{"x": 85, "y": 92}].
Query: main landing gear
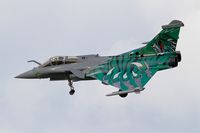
[{"x": 70, "y": 83}]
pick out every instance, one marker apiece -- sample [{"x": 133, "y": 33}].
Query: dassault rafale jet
[{"x": 129, "y": 71}]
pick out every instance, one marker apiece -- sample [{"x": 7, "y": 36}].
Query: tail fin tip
[{"x": 173, "y": 24}]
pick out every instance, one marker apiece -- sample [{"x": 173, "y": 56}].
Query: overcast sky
[{"x": 39, "y": 29}]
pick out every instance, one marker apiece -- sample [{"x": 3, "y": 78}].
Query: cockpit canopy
[{"x": 59, "y": 60}]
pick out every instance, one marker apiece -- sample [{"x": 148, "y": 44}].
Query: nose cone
[{"x": 27, "y": 75}]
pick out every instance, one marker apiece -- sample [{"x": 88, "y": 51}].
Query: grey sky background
[{"x": 39, "y": 29}]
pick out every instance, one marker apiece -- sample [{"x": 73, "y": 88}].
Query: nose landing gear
[
  {"x": 70, "y": 83},
  {"x": 71, "y": 92}
]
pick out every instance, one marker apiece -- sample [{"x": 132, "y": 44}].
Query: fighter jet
[{"x": 129, "y": 72}]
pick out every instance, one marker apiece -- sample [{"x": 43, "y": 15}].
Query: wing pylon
[{"x": 137, "y": 90}]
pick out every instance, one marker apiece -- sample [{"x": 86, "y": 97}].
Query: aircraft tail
[
  {"x": 130, "y": 71},
  {"x": 166, "y": 40}
]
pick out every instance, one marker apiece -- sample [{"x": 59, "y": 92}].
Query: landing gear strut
[{"x": 72, "y": 91}]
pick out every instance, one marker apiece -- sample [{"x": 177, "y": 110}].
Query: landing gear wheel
[
  {"x": 123, "y": 95},
  {"x": 71, "y": 92}
]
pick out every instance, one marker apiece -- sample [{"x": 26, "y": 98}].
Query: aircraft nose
[{"x": 27, "y": 75}]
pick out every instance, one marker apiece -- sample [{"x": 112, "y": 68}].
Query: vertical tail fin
[{"x": 166, "y": 40}]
